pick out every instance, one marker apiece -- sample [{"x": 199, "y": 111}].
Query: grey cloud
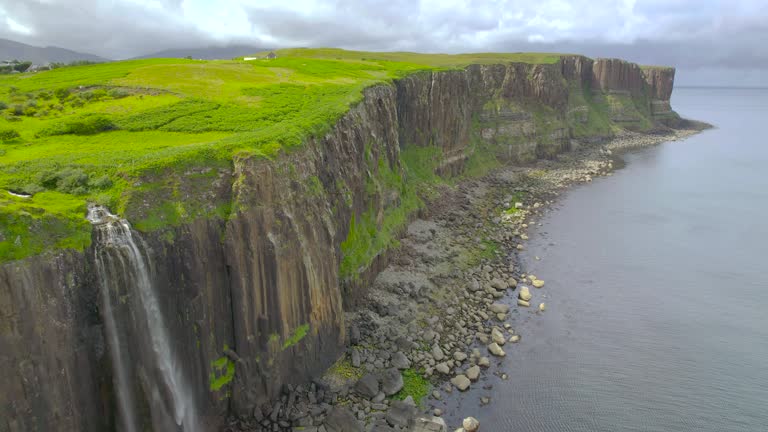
[
  {"x": 690, "y": 34},
  {"x": 110, "y": 29}
]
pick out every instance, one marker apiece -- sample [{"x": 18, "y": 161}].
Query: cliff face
[
  {"x": 659, "y": 81},
  {"x": 618, "y": 76},
  {"x": 262, "y": 292}
]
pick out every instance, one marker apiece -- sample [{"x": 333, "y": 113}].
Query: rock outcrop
[
  {"x": 260, "y": 292},
  {"x": 616, "y": 75}
]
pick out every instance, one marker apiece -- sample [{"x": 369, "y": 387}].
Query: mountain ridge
[
  {"x": 205, "y": 53},
  {"x": 13, "y": 50}
]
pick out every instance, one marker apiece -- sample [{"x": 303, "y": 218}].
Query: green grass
[
  {"x": 414, "y": 385},
  {"x": 343, "y": 369},
  {"x": 126, "y": 133}
]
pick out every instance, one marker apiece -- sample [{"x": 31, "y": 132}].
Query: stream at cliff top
[
  {"x": 656, "y": 290},
  {"x": 139, "y": 345}
]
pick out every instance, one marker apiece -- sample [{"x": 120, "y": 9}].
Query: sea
[{"x": 656, "y": 290}]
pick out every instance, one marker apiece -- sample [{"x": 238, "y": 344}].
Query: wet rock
[
  {"x": 401, "y": 413},
  {"x": 498, "y": 308},
  {"x": 496, "y": 350},
  {"x": 443, "y": 368},
  {"x": 497, "y": 336},
  {"x": 432, "y": 424},
  {"x": 367, "y": 386},
  {"x": 538, "y": 283},
  {"x": 461, "y": 382},
  {"x": 341, "y": 419},
  {"x": 437, "y": 353},
  {"x": 473, "y": 373},
  {"x": 484, "y": 362},
  {"x": 400, "y": 361},
  {"x": 470, "y": 424},
  {"x": 514, "y": 338},
  {"x": 524, "y": 294},
  {"x": 483, "y": 338},
  {"x": 542, "y": 307},
  {"x": 459, "y": 356},
  {"x": 354, "y": 335},
  {"x": 391, "y": 381},
  {"x": 523, "y": 303}
]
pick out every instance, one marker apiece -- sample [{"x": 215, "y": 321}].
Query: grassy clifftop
[{"x": 84, "y": 134}]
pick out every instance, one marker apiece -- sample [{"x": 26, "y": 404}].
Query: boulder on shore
[
  {"x": 341, "y": 419},
  {"x": 498, "y": 308},
  {"x": 391, "y": 381},
  {"x": 497, "y": 336},
  {"x": 525, "y": 294},
  {"x": 470, "y": 424},
  {"x": 496, "y": 350},
  {"x": 367, "y": 386},
  {"x": 461, "y": 382},
  {"x": 429, "y": 424}
]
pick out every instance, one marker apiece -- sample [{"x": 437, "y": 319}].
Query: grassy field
[
  {"x": 84, "y": 134},
  {"x": 108, "y": 133}
]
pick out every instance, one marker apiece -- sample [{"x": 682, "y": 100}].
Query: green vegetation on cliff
[{"x": 125, "y": 134}]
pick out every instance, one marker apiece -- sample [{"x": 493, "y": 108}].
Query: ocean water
[{"x": 657, "y": 290}]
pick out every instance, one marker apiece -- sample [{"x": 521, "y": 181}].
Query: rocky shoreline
[{"x": 437, "y": 319}]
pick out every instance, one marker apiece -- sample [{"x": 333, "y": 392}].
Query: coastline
[{"x": 447, "y": 296}]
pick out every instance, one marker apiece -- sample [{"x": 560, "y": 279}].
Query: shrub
[
  {"x": 93, "y": 95},
  {"x": 8, "y": 135},
  {"x": 32, "y": 188},
  {"x": 103, "y": 182},
  {"x": 87, "y": 125},
  {"x": 68, "y": 180},
  {"x": 61, "y": 93},
  {"x": 117, "y": 93},
  {"x": 3, "y": 105}
]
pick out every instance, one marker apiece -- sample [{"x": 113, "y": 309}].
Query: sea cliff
[{"x": 255, "y": 301}]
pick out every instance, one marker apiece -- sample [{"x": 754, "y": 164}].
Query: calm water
[{"x": 657, "y": 287}]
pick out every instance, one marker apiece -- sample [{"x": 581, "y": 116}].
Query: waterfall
[{"x": 119, "y": 260}]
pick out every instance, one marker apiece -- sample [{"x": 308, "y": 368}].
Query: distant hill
[
  {"x": 207, "y": 53},
  {"x": 12, "y": 50}
]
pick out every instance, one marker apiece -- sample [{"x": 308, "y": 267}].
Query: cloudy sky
[{"x": 710, "y": 41}]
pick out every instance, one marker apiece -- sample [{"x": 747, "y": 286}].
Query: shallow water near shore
[{"x": 656, "y": 289}]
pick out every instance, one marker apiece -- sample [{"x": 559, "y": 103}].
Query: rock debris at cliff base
[{"x": 445, "y": 308}]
